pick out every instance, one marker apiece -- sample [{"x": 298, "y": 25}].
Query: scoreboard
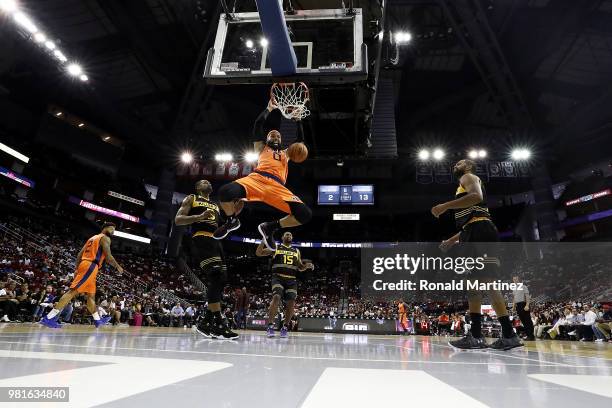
[{"x": 362, "y": 194}]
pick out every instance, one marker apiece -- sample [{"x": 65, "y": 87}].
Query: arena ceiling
[{"x": 539, "y": 70}]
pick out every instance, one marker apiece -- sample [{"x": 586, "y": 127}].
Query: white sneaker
[
  {"x": 599, "y": 341},
  {"x": 572, "y": 333},
  {"x": 5, "y": 318}
]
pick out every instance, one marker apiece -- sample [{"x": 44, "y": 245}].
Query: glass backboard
[{"x": 328, "y": 45}]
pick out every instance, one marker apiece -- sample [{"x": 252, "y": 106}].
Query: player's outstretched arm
[
  {"x": 269, "y": 119},
  {"x": 105, "y": 242},
  {"x": 263, "y": 251}
]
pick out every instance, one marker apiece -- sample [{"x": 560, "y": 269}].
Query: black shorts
[
  {"x": 479, "y": 231},
  {"x": 285, "y": 287},
  {"x": 480, "y": 239},
  {"x": 208, "y": 252}
]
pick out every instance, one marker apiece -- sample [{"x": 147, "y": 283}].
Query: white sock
[
  {"x": 96, "y": 316},
  {"x": 52, "y": 314}
]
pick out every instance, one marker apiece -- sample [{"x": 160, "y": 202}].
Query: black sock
[
  {"x": 506, "y": 326},
  {"x": 217, "y": 319},
  {"x": 476, "y": 328}
]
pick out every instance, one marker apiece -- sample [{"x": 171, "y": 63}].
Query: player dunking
[
  {"x": 89, "y": 261},
  {"x": 266, "y": 183},
  {"x": 286, "y": 262},
  {"x": 477, "y": 233},
  {"x": 197, "y": 210}
]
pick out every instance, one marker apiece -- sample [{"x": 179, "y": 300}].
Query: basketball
[{"x": 297, "y": 152}]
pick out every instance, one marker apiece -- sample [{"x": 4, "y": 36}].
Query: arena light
[
  {"x": 224, "y": 157},
  {"x": 249, "y": 43},
  {"x": 402, "y": 37},
  {"x": 40, "y": 37},
  {"x": 132, "y": 237},
  {"x": 424, "y": 154},
  {"x": 60, "y": 56},
  {"x": 477, "y": 154},
  {"x": 74, "y": 69},
  {"x": 58, "y": 114},
  {"x": 186, "y": 157},
  {"x": 25, "y": 22},
  {"x": 251, "y": 157},
  {"x": 263, "y": 42},
  {"x": 81, "y": 124},
  {"x": 8, "y": 6},
  {"x": 520, "y": 154},
  {"x": 438, "y": 154},
  {"x": 14, "y": 153}
]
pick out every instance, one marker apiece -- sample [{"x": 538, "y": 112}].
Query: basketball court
[{"x": 162, "y": 367}]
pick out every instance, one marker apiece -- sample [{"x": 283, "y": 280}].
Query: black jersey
[
  {"x": 285, "y": 261},
  {"x": 480, "y": 210},
  {"x": 198, "y": 206}
]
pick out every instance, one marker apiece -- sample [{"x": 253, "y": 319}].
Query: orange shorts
[
  {"x": 271, "y": 192},
  {"x": 85, "y": 278}
]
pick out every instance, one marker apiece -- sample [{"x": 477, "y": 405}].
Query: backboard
[{"x": 328, "y": 44}]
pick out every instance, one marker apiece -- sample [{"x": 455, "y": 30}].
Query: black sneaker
[
  {"x": 204, "y": 327},
  {"x": 506, "y": 343},
  {"x": 267, "y": 230},
  {"x": 221, "y": 331},
  {"x": 469, "y": 342},
  {"x": 232, "y": 224}
]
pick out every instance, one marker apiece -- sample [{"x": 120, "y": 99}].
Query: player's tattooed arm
[
  {"x": 181, "y": 215},
  {"x": 471, "y": 184},
  {"x": 258, "y": 146},
  {"x": 263, "y": 251},
  {"x": 105, "y": 242},
  {"x": 270, "y": 118}
]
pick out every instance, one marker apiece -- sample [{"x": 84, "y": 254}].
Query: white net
[{"x": 290, "y": 98}]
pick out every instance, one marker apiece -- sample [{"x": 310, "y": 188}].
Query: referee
[{"x": 520, "y": 306}]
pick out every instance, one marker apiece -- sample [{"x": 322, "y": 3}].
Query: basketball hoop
[{"x": 290, "y": 98}]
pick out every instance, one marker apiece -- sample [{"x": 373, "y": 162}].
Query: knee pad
[
  {"x": 231, "y": 192},
  {"x": 290, "y": 294},
  {"x": 301, "y": 212},
  {"x": 278, "y": 290}
]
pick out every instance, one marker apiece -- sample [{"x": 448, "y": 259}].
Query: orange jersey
[
  {"x": 274, "y": 163},
  {"x": 92, "y": 250}
]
